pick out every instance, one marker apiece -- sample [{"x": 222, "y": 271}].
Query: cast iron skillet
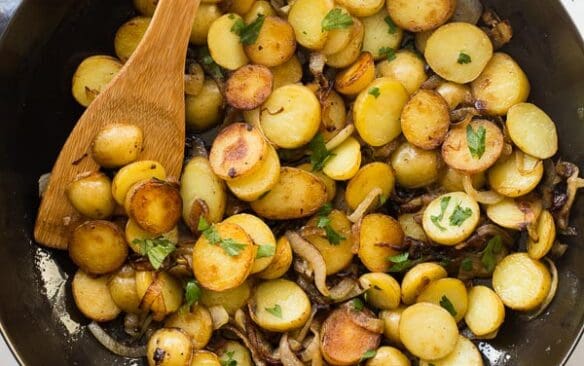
[{"x": 39, "y": 51}]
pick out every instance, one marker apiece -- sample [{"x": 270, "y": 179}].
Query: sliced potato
[
  {"x": 532, "y": 130},
  {"x": 133, "y": 173},
  {"x": 383, "y": 291},
  {"x": 235, "y": 351},
  {"x": 224, "y": 45},
  {"x": 205, "y": 358},
  {"x": 387, "y": 106},
  {"x": 281, "y": 263},
  {"x": 486, "y": 146},
  {"x": 391, "y": 320},
  {"x": 515, "y": 214},
  {"x": 546, "y": 230},
  {"x": 91, "y": 195},
  {"x": 370, "y": 176},
  {"x": 261, "y": 235},
  {"x": 275, "y": 43},
  {"x": 337, "y": 39},
  {"x": 122, "y": 288},
  {"x": 414, "y": 167},
  {"x": 169, "y": 347},
  {"x": 345, "y": 161},
  {"x": 205, "y": 109},
  {"x": 160, "y": 293},
  {"x": 194, "y": 78},
  {"x": 134, "y": 234},
  {"x": 297, "y": 194},
  {"x": 458, "y": 52},
  {"x": 214, "y": 267},
  {"x": 306, "y": 17},
  {"x": 98, "y": 247},
  {"x": 407, "y": 68},
  {"x": 454, "y": 94},
  {"x": 290, "y": 72},
  {"x": 237, "y": 151},
  {"x": 515, "y": 175},
  {"x": 252, "y": 187},
  {"x": 333, "y": 115},
  {"x": 449, "y": 291},
  {"x": 362, "y": 8},
  {"x": 465, "y": 354},
  {"x": 117, "y": 145},
  {"x": 356, "y": 78},
  {"x": 428, "y": 331},
  {"x": 451, "y": 218},
  {"x": 196, "y": 322},
  {"x": 248, "y": 87},
  {"x": 259, "y": 7},
  {"x": 421, "y": 39},
  {"x": 417, "y": 278},
  {"x": 93, "y": 298},
  {"x": 451, "y": 180},
  {"x": 205, "y": 16},
  {"x": 232, "y": 299},
  {"x": 279, "y": 305},
  {"x": 330, "y": 184},
  {"x": 425, "y": 119},
  {"x": 421, "y": 15},
  {"x": 129, "y": 36},
  {"x": 486, "y": 311},
  {"x": 352, "y": 50},
  {"x": 380, "y": 32},
  {"x": 388, "y": 356},
  {"x": 92, "y": 76},
  {"x": 501, "y": 85},
  {"x": 337, "y": 256},
  {"x": 411, "y": 227},
  {"x": 291, "y": 116},
  {"x": 378, "y": 236}
]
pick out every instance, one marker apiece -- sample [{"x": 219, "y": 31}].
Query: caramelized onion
[
  {"x": 366, "y": 204},
  {"x": 308, "y": 252},
  {"x": 114, "y": 346},
  {"x": 219, "y": 316},
  {"x": 340, "y": 137},
  {"x": 288, "y": 357},
  {"x": 486, "y": 197}
]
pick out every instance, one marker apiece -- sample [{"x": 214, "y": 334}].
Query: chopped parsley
[
  {"x": 209, "y": 64},
  {"x": 336, "y": 19},
  {"x": 375, "y": 92},
  {"x": 391, "y": 25},
  {"x": 388, "y": 53},
  {"x": 436, "y": 219},
  {"x": 319, "y": 154},
  {"x": 265, "y": 251},
  {"x": 466, "y": 264},
  {"x": 248, "y": 33},
  {"x": 357, "y": 304},
  {"x": 230, "y": 246},
  {"x": 155, "y": 249},
  {"x": 192, "y": 292},
  {"x": 446, "y": 304},
  {"x": 476, "y": 141},
  {"x": 230, "y": 361},
  {"x": 459, "y": 215},
  {"x": 324, "y": 222},
  {"x": 463, "y": 58},
  {"x": 275, "y": 311},
  {"x": 401, "y": 262},
  {"x": 489, "y": 254},
  {"x": 367, "y": 355}
]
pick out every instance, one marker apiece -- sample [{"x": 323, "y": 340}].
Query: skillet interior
[{"x": 38, "y": 54}]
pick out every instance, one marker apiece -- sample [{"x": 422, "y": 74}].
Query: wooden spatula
[{"x": 148, "y": 92}]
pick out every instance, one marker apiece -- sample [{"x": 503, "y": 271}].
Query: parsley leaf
[
  {"x": 209, "y": 64},
  {"x": 319, "y": 154},
  {"x": 265, "y": 251},
  {"x": 357, "y": 304},
  {"x": 476, "y": 141},
  {"x": 466, "y": 264},
  {"x": 325, "y": 210},
  {"x": 459, "y": 215},
  {"x": 275, "y": 311},
  {"x": 444, "y": 202},
  {"x": 324, "y": 222},
  {"x": 388, "y": 53},
  {"x": 367, "y": 355},
  {"x": 400, "y": 258},
  {"x": 463, "y": 58},
  {"x": 391, "y": 25},
  {"x": 230, "y": 246},
  {"x": 230, "y": 361},
  {"x": 248, "y": 33},
  {"x": 488, "y": 257},
  {"x": 446, "y": 304},
  {"x": 155, "y": 249},
  {"x": 336, "y": 19},
  {"x": 375, "y": 92},
  {"x": 192, "y": 292},
  {"x": 401, "y": 262}
]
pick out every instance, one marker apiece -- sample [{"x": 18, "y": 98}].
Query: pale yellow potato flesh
[
  {"x": 251, "y": 187},
  {"x": 451, "y": 180},
  {"x": 122, "y": 288},
  {"x": 134, "y": 234},
  {"x": 238, "y": 352},
  {"x": 92, "y": 297},
  {"x": 232, "y": 299},
  {"x": 515, "y": 214},
  {"x": 306, "y": 17},
  {"x": 454, "y": 94},
  {"x": 445, "y": 229},
  {"x": 281, "y": 263},
  {"x": 421, "y": 15},
  {"x": 418, "y": 278},
  {"x": 465, "y": 354},
  {"x": 425, "y": 119},
  {"x": 205, "y": 109},
  {"x": 160, "y": 293},
  {"x": 546, "y": 230},
  {"x": 415, "y": 167},
  {"x": 224, "y": 45},
  {"x": 362, "y": 8},
  {"x": 378, "y": 34},
  {"x": 92, "y": 76},
  {"x": 290, "y": 72},
  {"x": 388, "y": 356},
  {"x": 356, "y": 77},
  {"x": 196, "y": 322},
  {"x": 513, "y": 177},
  {"x": 204, "y": 358},
  {"x": 129, "y": 36},
  {"x": 407, "y": 68},
  {"x": 345, "y": 162},
  {"x": 260, "y": 234},
  {"x": 377, "y": 234},
  {"x": 391, "y": 319},
  {"x": 370, "y": 176},
  {"x": 205, "y": 16},
  {"x": 486, "y": 311},
  {"x": 532, "y": 130},
  {"x": 330, "y": 184},
  {"x": 133, "y": 173},
  {"x": 411, "y": 227},
  {"x": 336, "y": 256},
  {"x": 259, "y": 7},
  {"x": 383, "y": 290},
  {"x": 91, "y": 196},
  {"x": 117, "y": 145},
  {"x": 349, "y": 53},
  {"x": 447, "y": 289},
  {"x": 169, "y": 347}
]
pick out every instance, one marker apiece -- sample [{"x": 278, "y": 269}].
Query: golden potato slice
[
  {"x": 205, "y": 109},
  {"x": 290, "y": 72},
  {"x": 169, "y": 347},
  {"x": 91, "y": 195},
  {"x": 337, "y": 256},
  {"x": 391, "y": 320},
  {"x": 370, "y": 176},
  {"x": 251, "y": 187},
  {"x": 428, "y": 331},
  {"x": 451, "y": 180},
  {"x": 215, "y": 267},
  {"x": 205, "y": 358},
  {"x": 343, "y": 341},
  {"x": 473, "y": 148},
  {"x": 521, "y": 282},
  {"x": 196, "y": 322},
  {"x": 133, "y": 173},
  {"x": 259, "y": 7},
  {"x": 383, "y": 291},
  {"x": 417, "y": 278},
  {"x": 486, "y": 311},
  {"x": 237, "y": 151},
  {"x": 194, "y": 78},
  {"x": 388, "y": 356},
  {"x": 291, "y": 116},
  {"x": 458, "y": 52},
  {"x": 425, "y": 119},
  {"x": 451, "y": 218},
  {"x": 380, "y": 33},
  {"x": 421, "y": 39},
  {"x": 351, "y": 51},
  {"x": 204, "y": 18},
  {"x": 145, "y": 7},
  {"x": 306, "y": 17},
  {"x": 515, "y": 176},
  {"x": 546, "y": 230},
  {"x": 411, "y": 227},
  {"x": 465, "y": 354},
  {"x": 275, "y": 43},
  {"x": 450, "y": 293},
  {"x": 454, "y": 94},
  {"x": 330, "y": 184},
  {"x": 129, "y": 36},
  {"x": 122, "y": 288},
  {"x": 281, "y": 263},
  {"x": 414, "y": 167},
  {"x": 160, "y": 293},
  {"x": 234, "y": 351},
  {"x": 241, "y": 6},
  {"x": 407, "y": 68},
  {"x": 224, "y": 45},
  {"x": 117, "y": 145},
  {"x": 232, "y": 299},
  {"x": 421, "y": 15},
  {"x": 354, "y": 79},
  {"x": 134, "y": 234},
  {"x": 297, "y": 194},
  {"x": 378, "y": 236},
  {"x": 93, "y": 298},
  {"x": 362, "y": 8},
  {"x": 515, "y": 214},
  {"x": 333, "y": 115},
  {"x": 98, "y": 247},
  {"x": 92, "y": 76},
  {"x": 501, "y": 85},
  {"x": 337, "y": 38},
  {"x": 532, "y": 130},
  {"x": 345, "y": 161},
  {"x": 248, "y": 87}
]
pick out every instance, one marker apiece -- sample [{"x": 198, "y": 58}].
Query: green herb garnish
[
  {"x": 374, "y": 91},
  {"x": 324, "y": 222},
  {"x": 459, "y": 215},
  {"x": 463, "y": 58},
  {"x": 265, "y": 251},
  {"x": 446, "y": 304},
  {"x": 319, "y": 154},
  {"x": 275, "y": 311},
  {"x": 388, "y": 53},
  {"x": 401, "y": 262},
  {"x": 367, "y": 355},
  {"x": 489, "y": 254},
  {"x": 466, "y": 264},
  {"x": 230, "y": 361},
  {"x": 390, "y": 24},
  {"x": 192, "y": 292},
  {"x": 436, "y": 219},
  {"x": 336, "y": 19},
  {"x": 476, "y": 141},
  {"x": 155, "y": 249},
  {"x": 248, "y": 33},
  {"x": 357, "y": 304},
  {"x": 209, "y": 64},
  {"x": 230, "y": 246}
]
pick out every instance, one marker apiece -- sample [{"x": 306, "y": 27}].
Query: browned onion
[
  {"x": 288, "y": 357},
  {"x": 308, "y": 252},
  {"x": 114, "y": 346},
  {"x": 486, "y": 197},
  {"x": 367, "y": 202}
]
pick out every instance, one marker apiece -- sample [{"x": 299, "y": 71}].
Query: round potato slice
[
  {"x": 169, "y": 347},
  {"x": 356, "y": 78},
  {"x": 279, "y": 305},
  {"x": 275, "y": 43},
  {"x": 451, "y": 180},
  {"x": 515, "y": 175},
  {"x": 134, "y": 235},
  {"x": 330, "y": 184},
  {"x": 474, "y": 148},
  {"x": 334, "y": 115},
  {"x": 532, "y": 130},
  {"x": 337, "y": 253},
  {"x": 133, "y": 173},
  {"x": 370, "y": 176},
  {"x": 205, "y": 358},
  {"x": 92, "y": 76},
  {"x": 214, "y": 265},
  {"x": 516, "y": 213},
  {"x": 421, "y": 15},
  {"x": 205, "y": 109},
  {"x": 234, "y": 353},
  {"x": 204, "y": 18},
  {"x": 122, "y": 288},
  {"x": 411, "y": 227},
  {"x": 345, "y": 161},
  {"x": 425, "y": 119},
  {"x": 388, "y": 356},
  {"x": 378, "y": 236},
  {"x": 291, "y": 116},
  {"x": 194, "y": 78},
  {"x": 450, "y": 293},
  {"x": 160, "y": 293},
  {"x": 224, "y": 45},
  {"x": 361, "y": 8},
  {"x": 486, "y": 311},
  {"x": 259, "y": 7},
  {"x": 407, "y": 68},
  {"x": 281, "y": 263},
  {"x": 384, "y": 103},
  {"x": 380, "y": 33},
  {"x": 337, "y": 39},
  {"x": 232, "y": 299},
  {"x": 465, "y": 354},
  {"x": 521, "y": 282},
  {"x": 451, "y": 218},
  {"x": 501, "y": 85},
  {"x": 290, "y": 72},
  {"x": 237, "y": 151},
  {"x": 248, "y": 87},
  {"x": 91, "y": 195},
  {"x": 196, "y": 322},
  {"x": 93, "y": 298},
  {"x": 129, "y": 36},
  {"x": 306, "y": 17},
  {"x": 117, "y": 145},
  {"x": 428, "y": 331},
  {"x": 383, "y": 291},
  {"x": 391, "y": 319},
  {"x": 458, "y": 52},
  {"x": 352, "y": 50},
  {"x": 415, "y": 167},
  {"x": 546, "y": 230},
  {"x": 454, "y": 94},
  {"x": 417, "y": 278}
]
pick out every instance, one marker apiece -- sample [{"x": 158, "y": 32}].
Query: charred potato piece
[
  {"x": 92, "y": 76},
  {"x": 407, "y": 68},
  {"x": 345, "y": 160},
  {"x": 388, "y": 356},
  {"x": 275, "y": 43},
  {"x": 378, "y": 235},
  {"x": 249, "y": 87},
  {"x": 351, "y": 52},
  {"x": 169, "y": 347},
  {"x": 306, "y": 17},
  {"x": 204, "y": 18},
  {"x": 356, "y": 78},
  {"x": 196, "y": 322},
  {"x": 414, "y": 167},
  {"x": 417, "y": 278},
  {"x": 486, "y": 311},
  {"x": 421, "y": 15},
  {"x": 425, "y": 119},
  {"x": 380, "y": 33},
  {"x": 450, "y": 289},
  {"x": 91, "y": 195},
  {"x": 290, "y": 72},
  {"x": 232, "y": 299},
  {"x": 205, "y": 109},
  {"x": 465, "y": 353},
  {"x": 93, "y": 298},
  {"x": 117, "y": 145},
  {"x": 224, "y": 45},
  {"x": 133, "y": 173},
  {"x": 160, "y": 293},
  {"x": 370, "y": 176},
  {"x": 451, "y": 218},
  {"x": 532, "y": 130},
  {"x": 129, "y": 36},
  {"x": 122, "y": 288}
]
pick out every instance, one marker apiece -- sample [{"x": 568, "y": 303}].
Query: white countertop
[{"x": 576, "y": 9}]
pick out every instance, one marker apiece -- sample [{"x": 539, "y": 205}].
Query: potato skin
[
  {"x": 249, "y": 86},
  {"x": 421, "y": 15},
  {"x": 169, "y": 347},
  {"x": 93, "y": 298},
  {"x": 92, "y": 75},
  {"x": 275, "y": 44},
  {"x": 205, "y": 16},
  {"x": 133, "y": 173},
  {"x": 414, "y": 167},
  {"x": 224, "y": 45},
  {"x": 91, "y": 195},
  {"x": 205, "y": 109},
  {"x": 425, "y": 119},
  {"x": 117, "y": 145},
  {"x": 281, "y": 263},
  {"x": 377, "y": 235},
  {"x": 129, "y": 36},
  {"x": 122, "y": 288},
  {"x": 196, "y": 322},
  {"x": 407, "y": 68},
  {"x": 306, "y": 17}
]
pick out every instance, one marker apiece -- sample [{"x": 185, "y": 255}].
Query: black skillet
[{"x": 44, "y": 42}]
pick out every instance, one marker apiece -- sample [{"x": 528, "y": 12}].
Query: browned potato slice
[
  {"x": 516, "y": 213},
  {"x": 297, "y": 194},
  {"x": 337, "y": 39},
  {"x": 205, "y": 109},
  {"x": 205, "y": 16},
  {"x": 281, "y": 263},
  {"x": 458, "y": 52},
  {"x": 407, "y": 68},
  {"x": 91, "y": 195},
  {"x": 161, "y": 293},
  {"x": 133, "y": 173},
  {"x": 411, "y": 227},
  {"x": 377, "y": 235},
  {"x": 451, "y": 180},
  {"x": 351, "y": 52},
  {"x": 342, "y": 341},
  {"x": 454, "y": 94},
  {"x": 417, "y": 278},
  {"x": 117, "y": 145},
  {"x": 486, "y": 311},
  {"x": 345, "y": 160},
  {"x": 169, "y": 347},
  {"x": 98, "y": 247},
  {"x": 248, "y": 87},
  {"x": 232, "y": 299},
  {"x": 238, "y": 150},
  {"x": 205, "y": 358},
  {"x": 421, "y": 15},
  {"x": 122, "y": 288},
  {"x": 129, "y": 36},
  {"x": 330, "y": 184},
  {"x": 194, "y": 79},
  {"x": 428, "y": 331},
  {"x": 92, "y": 76},
  {"x": 451, "y": 218},
  {"x": 465, "y": 354},
  {"x": 275, "y": 44},
  {"x": 474, "y": 148},
  {"x": 290, "y": 72},
  {"x": 446, "y": 290},
  {"x": 380, "y": 32},
  {"x": 362, "y": 8},
  {"x": 259, "y": 7},
  {"x": 145, "y": 7},
  {"x": 224, "y": 45},
  {"x": 515, "y": 175},
  {"x": 134, "y": 232},
  {"x": 370, "y": 176},
  {"x": 261, "y": 235},
  {"x": 546, "y": 230},
  {"x": 388, "y": 356},
  {"x": 306, "y": 17},
  {"x": 356, "y": 78},
  {"x": 196, "y": 322},
  {"x": 532, "y": 130},
  {"x": 214, "y": 267},
  {"x": 93, "y": 298},
  {"x": 155, "y": 205},
  {"x": 521, "y": 282},
  {"x": 425, "y": 119},
  {"x": 234, "y": 353},
  {"x": 383, "y": 291},
  {"x": 391, "y": 320},
  {"x": 414, "y": 167},
  {"x": 339, "y": 255}
]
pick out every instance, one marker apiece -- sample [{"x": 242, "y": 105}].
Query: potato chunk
[
  {"x": 262, "y": 237},
  {"x": 204, "y": 18},
  {"x": 515, "y": 175},
  {"x": 451, "y": 218},
  {"x": 306, "y": 17},
  {"x": 417, "y": 278},
  {"x": 380, "y": 32},
  {"x": 388, "y": 356},
  {"x": 421, "y": 15},
  {"x": 383, "y": 291},
  {"x": 515, "y": 214},
  {"x": 352, "y": 50},
  {"x": 345, "y": 161},
  {"x": 371, "y": 176},
  {"x": 91, "y": 195},
  {"x": 337, "y": 255},
  {"x": 133, "y": 173},
  {"x": 205, "y": 109},
  {"x": 205, "y": 358},
  {"x": 92, "y": 76},
  {"x": 377, "y": 235},
  {"x": 362, "y": 8},
  {"x": 290, "y": 72},
  {"x": 486, "y": 311},
  {"x": 356, "y": 78},
  {"x": 196, "y": 322},
  {"x": 546, "y": 230},
  {"x": 407, "y": 68},
  {"x": 122, "y": 288},
  {"x": 93, "y": 298},
  {"x": 249, "y": 87},
  {"x": 281, "y": 263},
  {"x": 235, "y": 351},
  {"x": 445, "y": 292},
  {"x": 275, "y": 44},
  {"x": 129, "y": 36},
  {"x": 414, "y": 167},
  {"x": 169, "y": 347},
  {"x": 160, "y": 293},
  {"x": 532, "y": 130},
  {"x": 232, "y": 299},
  {"x": 391, "y": 319},
  {"x": 425, "y": 119},
  {"x": 224, "y": 45},
  {"x": 117, "y": 145}
]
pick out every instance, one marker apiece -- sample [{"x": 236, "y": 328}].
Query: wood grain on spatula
[{"x": 148, "y": 92}]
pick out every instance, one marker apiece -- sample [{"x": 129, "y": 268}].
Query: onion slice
[
  {"x": 114, "y": 346},
  {"x": 366, "y": 321},
  {"x": 365, "y": 204},
  {"x": 219, "y": 316},
  {"x": 340, "y": 137},
  {"x": 288, "y": 357},
  {"x": 309, "y": 253},
  {"x": 486, "y": 197},
  {"x": 551, "y": 294}
]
